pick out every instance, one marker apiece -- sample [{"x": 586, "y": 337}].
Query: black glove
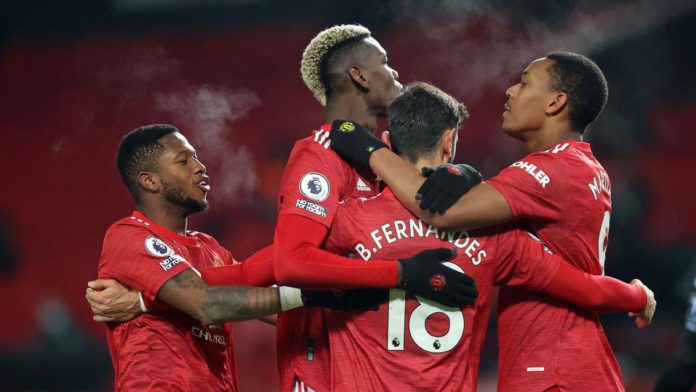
[
  {"x": 426, "y": 276},
  {"x": 355, "y": 299},
  {"x": 445, "y": 185},
  {"x": 353, "y": 142}
]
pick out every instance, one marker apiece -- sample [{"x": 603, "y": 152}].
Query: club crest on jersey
[
  {"x": 315, "y": 186},
  {"x": 156, "y": 247}
]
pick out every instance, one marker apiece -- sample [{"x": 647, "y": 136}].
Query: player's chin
[
  {"x": 509, "y": 129},
  {"x": 202, "y": 205},
  {"x": 198, "y": 204}
]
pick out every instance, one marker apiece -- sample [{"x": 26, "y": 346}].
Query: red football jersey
[
  {"x": 564, "y": 196},
  {"x": 169, "y": 350},
  {"x": 412, "y": 343},
  {"x": 315, "y": 180}
]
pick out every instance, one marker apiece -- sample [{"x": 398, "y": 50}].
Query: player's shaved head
[
  {"x": 583, "y": 82},
  {"x": 139, "y": 151},
  {"x": 418, "y": 118},
  {"x": 329, "y": 55}
]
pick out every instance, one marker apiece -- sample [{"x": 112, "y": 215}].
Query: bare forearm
[
  {"x": 215, "y": 304},
  {"x": 237, "y": 303},
  {"x": 482, "y": 206}
]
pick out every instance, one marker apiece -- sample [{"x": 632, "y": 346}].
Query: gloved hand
[
  {"x": 445, "y": 185},
  {"x": 353, "y": 142},
  {"x": 355, "y": 299},
  {"x": 425, "y": 275}
]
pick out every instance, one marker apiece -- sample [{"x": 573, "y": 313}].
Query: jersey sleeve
[
  {"x": 139, "y": 259},
  {"x": 532, "y": 187},
  {"x": 314, "y": 181},
  {"x": 524, "y": 261},
  {"x": 341, "y": 237},
  {"x": 256, "y": 270},
  {"x": 299, "y": 262}
]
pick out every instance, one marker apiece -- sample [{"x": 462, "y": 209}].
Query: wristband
[
  {"x": 290, "y": 298},
  {"x": 142, "y": 303}
]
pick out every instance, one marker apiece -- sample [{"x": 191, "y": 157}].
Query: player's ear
[
  {"x": 386, "y": 139},
  {"x": 357, "y": 76},
  {"x": 449, "y": 144},
  {"x": 149, "y": 181},
  {"x": 557, "y": 105}
]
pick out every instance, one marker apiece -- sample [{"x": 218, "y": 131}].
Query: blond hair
[{"x": 321, "y": 46}]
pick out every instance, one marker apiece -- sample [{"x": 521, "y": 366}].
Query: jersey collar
[{"x": 164, "y": 232}]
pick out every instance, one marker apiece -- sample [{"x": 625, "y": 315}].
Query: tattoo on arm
[
  {"x": 214, "y": 304},
  {"x": 234, "y": 303}
]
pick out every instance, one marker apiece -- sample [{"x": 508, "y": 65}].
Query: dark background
[{"x": 75, "y": 76}]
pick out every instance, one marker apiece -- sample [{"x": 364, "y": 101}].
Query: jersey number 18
[{"x": 396, "y": 328}]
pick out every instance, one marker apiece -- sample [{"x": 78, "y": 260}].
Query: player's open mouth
[
  {"x": 203, "y": 185},
  {"x": 507, "y": 107}
]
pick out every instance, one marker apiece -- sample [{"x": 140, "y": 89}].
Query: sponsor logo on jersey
[
  {"x": 156, "y": 247},
  {"x": 315, "y": 186},
  {"x": 201, "y": 333},
  {"x": 534, "y": 171},
  {"x": 361, "y": 186},
  {"x": 311, "y": 207}
]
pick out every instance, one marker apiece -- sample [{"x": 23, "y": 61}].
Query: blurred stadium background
[{"x": 76, "y": 75}]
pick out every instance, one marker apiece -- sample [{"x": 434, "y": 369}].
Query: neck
[
  {"x": 350, "y": 107},
  {"x": 424, "y": 162},
  {"x": 168, "y": 216},
  {"x": 545, "y": 138}
]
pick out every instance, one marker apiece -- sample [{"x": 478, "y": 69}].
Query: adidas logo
[{"x": 361, "y": 186}]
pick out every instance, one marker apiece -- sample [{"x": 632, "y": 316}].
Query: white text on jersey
[
  {"x": 534, "y": 171},
  {"x": 558, "y": 148},
  {"x": 599, "y": 183},
  {"x": 207, "y": 336},
  {"x": 397, "y": 230}
]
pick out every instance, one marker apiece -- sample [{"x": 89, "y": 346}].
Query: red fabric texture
[
  {"x": 256, "y": 270},
  {"x": 169, "y": 350}
]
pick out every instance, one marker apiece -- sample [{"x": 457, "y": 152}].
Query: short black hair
[
  {"x": 583, "y": 82},
  {"x": 419, "y": 116},
  {"x": 338, "y": 60},
  {"x": 139, "y": 151}
]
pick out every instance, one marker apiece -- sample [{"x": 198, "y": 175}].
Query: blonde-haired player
[{"x": 347, "y": 71}]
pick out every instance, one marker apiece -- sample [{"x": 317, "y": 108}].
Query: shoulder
[
  {"x": 371, "y": 203},
  {"x": 131, "y": 238},
  {"x": 129, "y": 227},
  {"x": 316, "y": 147},
  {"x": 544, "y": 167},
  {"x": 133, "y": 235},
  {"x": 206, "y": 239}
]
